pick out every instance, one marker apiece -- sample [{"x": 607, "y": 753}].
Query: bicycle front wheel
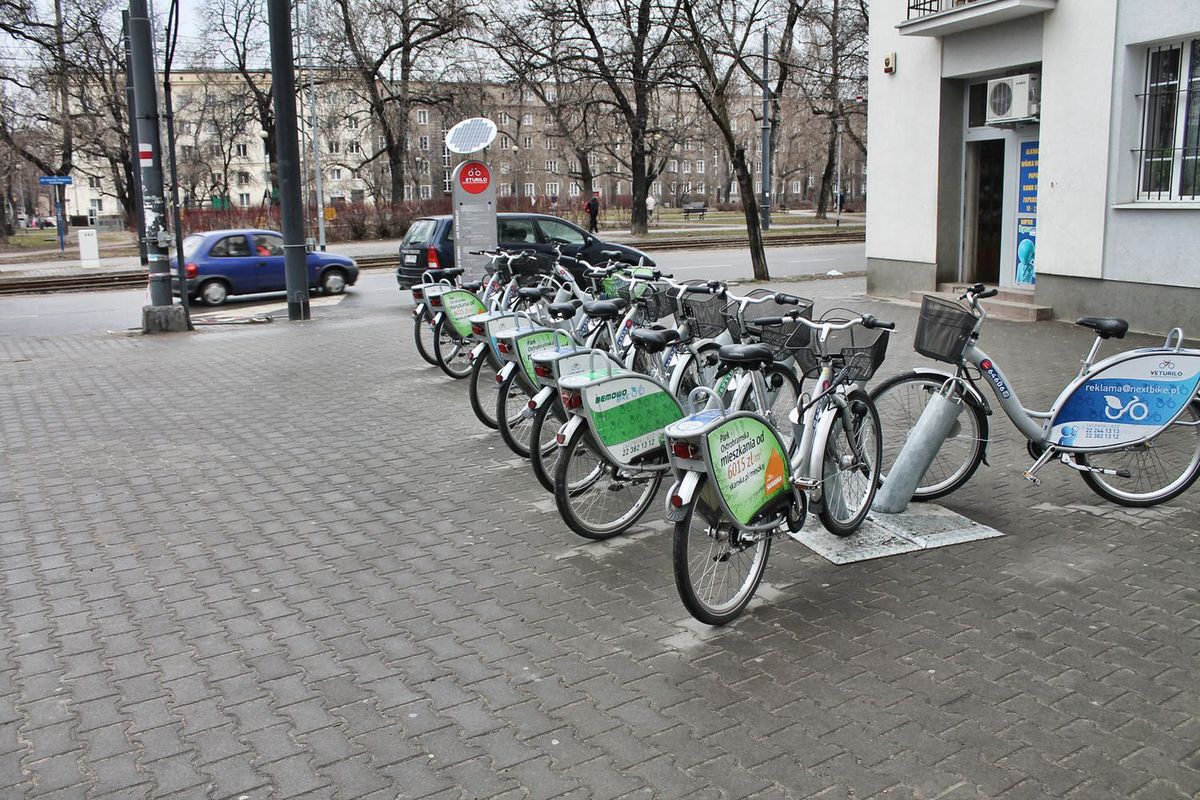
[
  {"x": 596, "y": 498},
  {"x": 1159, "y": 470},
  {"x": 900, "y": 401},
  {"x": 717, "y": 571},
  {"x": 423, "y": 335},
  {"x": 452, "y": 354},
  {"x": 513, "y": 415},
  {"x": 850, "y": 468},
  {"x": 481, "y": 389}
]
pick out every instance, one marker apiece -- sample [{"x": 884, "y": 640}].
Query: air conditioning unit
[{"x": 1013, "y": 99}]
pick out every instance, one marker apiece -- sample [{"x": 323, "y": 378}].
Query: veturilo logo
[{"x": 1166, "y": 369}]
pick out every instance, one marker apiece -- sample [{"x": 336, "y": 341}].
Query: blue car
[{"x": 218, "y": 264}]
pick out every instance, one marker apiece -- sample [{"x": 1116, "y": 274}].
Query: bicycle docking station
[{"x": 933, "y": 427}]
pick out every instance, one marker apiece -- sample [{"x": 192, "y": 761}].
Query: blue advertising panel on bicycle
[{"x": 1127, "y": 402}]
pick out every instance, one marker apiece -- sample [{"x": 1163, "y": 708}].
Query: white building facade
[{"x": 1050, "y": 147}]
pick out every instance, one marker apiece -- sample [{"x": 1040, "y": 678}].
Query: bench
[{"x": 698, "y": 208}]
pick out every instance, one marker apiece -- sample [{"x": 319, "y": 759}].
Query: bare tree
[{"x": 387, "y": 47}]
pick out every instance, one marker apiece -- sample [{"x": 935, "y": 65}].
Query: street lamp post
[{"x": 837, "y": 191}]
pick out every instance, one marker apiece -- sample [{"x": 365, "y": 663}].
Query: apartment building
[{"x": 1050, "y": 147}]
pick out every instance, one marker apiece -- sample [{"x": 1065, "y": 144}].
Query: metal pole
[
  {"x": 135, "y": 190},
  {"x": 176, "y": 222},
  {"x": 291, "y": 206},
  {"x": 766, "y": 135},
  {"x": 149, "y": 153},
  {"x": 312, "y": 127},
  {"x": 837, "y": 191},
  {"x": 59, "y": 191}
]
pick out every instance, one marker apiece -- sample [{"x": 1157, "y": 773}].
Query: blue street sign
[{"x": 56, "y": 180}]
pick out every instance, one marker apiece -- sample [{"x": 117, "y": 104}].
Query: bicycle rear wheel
[
  {"x": 544, "y": 449},
  {"x": 423, "y": 335},
  {"x": 717, "y": 572},
  {"x": 482, "y": 387},
  {"x": 850, "y": 468},
  {"x": 513, "y": 415},
  {"x": 596, "y": 498},
  {"x": 1160, "y": 469},
  {"x": 900, "y": 401},
  {"x": 451, "y": 353}
]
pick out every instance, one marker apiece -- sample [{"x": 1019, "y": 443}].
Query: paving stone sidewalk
[{"x": 286, "y": 561}]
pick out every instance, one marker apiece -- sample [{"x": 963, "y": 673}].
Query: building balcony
[{"x": 944, "y": 17}]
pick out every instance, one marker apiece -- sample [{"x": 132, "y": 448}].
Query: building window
[
  {"x": 527, "y": 118},
  {"x": 408, "y": 192},
  {"x": 351, "y": 122},
  {"x": 445, "y": 157},
  {"x": 353, "y": 146},
  {"x": 687, "y": 166},
  {"x": 422, "y": 116},
  {"x": 797, "y": 187},
  {"x": 527, "y": 142},
  {"x": 217, "y": 178},
  {"x": 96, "y": 205},
  {"x": 93, "y": 181},
  {"x": 1169, "y": 159},
  {"x": 423, "y": 143},
  {"x": 551, "y": 166},
  {"x": 185, "y": 127},
  {"x": 573, "y": 189},
  {"x": 506, "y": 190},
  {"x": 335, "y": 174},
  {"x": 505, "y": 142},
  {"x": 334, "y": 146},
  {"x": 426, "y": 191},
  {"x": 240, "y": 150},
  {"x": 672, "y": 166},
  {"x": 552, "y": 189},
  {"x": 212, "y": 127},
  {"x": 243, "y": 178},
  {"x": 700, "y": 167},
  {"x": 214, "y": 150},
  {"x": 530, "y": 190},
  {"x": 504, "y": 168},
  {"x": 505, "y": 118},
  {"x": 446, "y": 182},
  {"x": 244, "y": 199}
]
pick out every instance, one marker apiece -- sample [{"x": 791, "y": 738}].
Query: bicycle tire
[
  {"x": 422, "y": 330},
  {"x": 600, "y": 481},
  {"x": 1109, "y": 487},
  {"x": 451, "y": 352},
  {"x": 543, "y": 430},
  {"x": 781, "y": 404},
  {"x": 512, "y": 414},
  {"x": 685, "y": 558},
  {"x": 481, "y": 387},
  {"x": 835, "y": 477},
  {"x": 899, "y": 406}
]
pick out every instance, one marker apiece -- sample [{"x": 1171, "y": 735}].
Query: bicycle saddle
[
  {"x": 654, "y": 340},
  {"x": 439, "y": 274},
  {"x": 535, "y": 292},
  {"x": 474, "y": 286},
  {"x": 1105, "y": 327},
  {"x": 746, "y": 355},
  {"x": 563, "y": 310},
  {"x": 604, "y": 309}
]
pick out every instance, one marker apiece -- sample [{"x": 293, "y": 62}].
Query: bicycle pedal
[{"x": 1034, "y": 479}]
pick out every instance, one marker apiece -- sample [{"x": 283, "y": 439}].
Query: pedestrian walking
[{"x": 593, "y": 210}]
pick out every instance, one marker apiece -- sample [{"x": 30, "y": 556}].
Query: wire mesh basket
[
  {"x": 651, "y": 299},
  {"x": 702, "y": 312},
  {"x": 943, "y": 330},
  {"x": 777, "y": 337},
  {"x": 857, "y": 350}
]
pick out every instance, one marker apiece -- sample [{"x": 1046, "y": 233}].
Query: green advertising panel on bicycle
[{"x": 750, "y": 465}]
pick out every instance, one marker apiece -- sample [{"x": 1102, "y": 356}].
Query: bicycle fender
[
  {"x": 418, "y": 310},
  {"x": 820, "y": 441},
  {"x": 564, "y": 433},
  {"x": 478, "y": 350},
  {"x": 971, "y": 395},
  {"x": 685, "y": 490},
  {"x": 438, "y": 317},
  {"x": 505, "y": 372},
  {"x": 541, "y": 397}
]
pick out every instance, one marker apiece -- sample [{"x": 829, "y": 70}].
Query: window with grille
[{"x": 1169, "y": 153}]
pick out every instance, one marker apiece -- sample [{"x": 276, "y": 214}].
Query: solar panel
[{"x": 470, "y": 135}]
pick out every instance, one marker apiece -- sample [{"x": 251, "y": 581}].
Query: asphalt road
[{"x": 120, "y": 310}]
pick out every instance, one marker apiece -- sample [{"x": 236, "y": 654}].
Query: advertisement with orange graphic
[{"x": 750, "y": 465}]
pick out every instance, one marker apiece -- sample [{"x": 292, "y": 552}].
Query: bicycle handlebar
[{"x": 867, "y": 321}]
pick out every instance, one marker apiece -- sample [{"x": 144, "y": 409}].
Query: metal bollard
[{"x": 934, "y": 425}]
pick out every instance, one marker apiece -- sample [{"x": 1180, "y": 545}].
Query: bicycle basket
[
  {"x": 943, "y": 329},
  {"x": 857, "y": 350},
  {"x": 702, "y": 312},
  {"x": 778, "y": 337},
  {"x": 651, "y": 299}
]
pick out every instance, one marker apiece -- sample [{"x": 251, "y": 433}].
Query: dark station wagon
[{"x": 429, "y": 243}]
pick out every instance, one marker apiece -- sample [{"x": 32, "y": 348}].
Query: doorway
[{"x": 985, "y": 210}]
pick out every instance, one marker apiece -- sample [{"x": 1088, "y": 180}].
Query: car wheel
[
  {"x": 214, "y": 292},
  {"x": 333, "y": 281}
]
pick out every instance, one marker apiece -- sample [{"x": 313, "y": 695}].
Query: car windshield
[
  {"x": 421, "y": 232},
  {"x": 191, "y": 244}
]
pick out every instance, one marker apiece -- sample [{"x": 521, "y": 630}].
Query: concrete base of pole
[
  {"x": 934, "y": 425},
  {"x": 163, "y": 319}
]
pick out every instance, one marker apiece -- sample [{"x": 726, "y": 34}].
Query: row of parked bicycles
[{"x": 613, "y": 379}]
